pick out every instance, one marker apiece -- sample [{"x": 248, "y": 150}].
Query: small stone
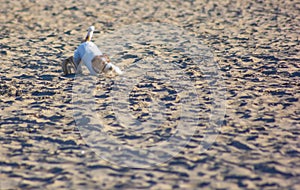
[{"x": 3, "y": 52}]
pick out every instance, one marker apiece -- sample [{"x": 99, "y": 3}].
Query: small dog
[{"x": 91, "y": 56}]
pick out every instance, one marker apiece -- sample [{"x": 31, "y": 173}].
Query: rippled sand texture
[{"x": 256, "y": 45}]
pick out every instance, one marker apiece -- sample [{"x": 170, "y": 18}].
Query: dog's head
[{"x": 102, "y": 64}]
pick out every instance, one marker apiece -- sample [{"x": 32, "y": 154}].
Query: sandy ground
[{"x": 255, "y": 43}]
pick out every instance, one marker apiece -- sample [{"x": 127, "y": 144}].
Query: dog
[{"x": 88, "y": 53}]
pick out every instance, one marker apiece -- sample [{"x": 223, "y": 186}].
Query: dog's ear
[
  {"x": 106, "y": 58},
  {"x": 98, "y": 64}
]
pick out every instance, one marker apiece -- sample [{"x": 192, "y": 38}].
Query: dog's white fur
[{"x": 91, "y": 56}]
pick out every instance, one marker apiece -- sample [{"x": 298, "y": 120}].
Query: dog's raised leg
[{"x": 68, "y": 64}]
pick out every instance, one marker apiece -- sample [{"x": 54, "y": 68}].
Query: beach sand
[{"x": 254, "y": 43}]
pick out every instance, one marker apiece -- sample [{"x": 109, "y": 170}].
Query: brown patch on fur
[{"x": 99, "y": 62}]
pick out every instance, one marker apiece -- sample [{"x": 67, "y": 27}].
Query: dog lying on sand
[{"x": 91, "y": 56}]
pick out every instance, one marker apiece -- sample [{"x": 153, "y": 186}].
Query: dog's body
[{"x": 91, "y": 56}]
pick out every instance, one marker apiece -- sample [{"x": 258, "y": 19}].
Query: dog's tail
[{"x": 89, "y": 34}]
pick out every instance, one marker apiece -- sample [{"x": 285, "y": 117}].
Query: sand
[{"x": 255, "y": 144}]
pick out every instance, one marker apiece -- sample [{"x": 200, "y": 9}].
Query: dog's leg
[
  {"x": 67, "y": 66},
  {"x": 64, "y": 66},
  {"x": 78, "y": 69}
]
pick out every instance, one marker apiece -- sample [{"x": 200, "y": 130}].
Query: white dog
[{"x": 91, "y": 56}]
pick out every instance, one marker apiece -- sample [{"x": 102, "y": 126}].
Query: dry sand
[{"x": 255, "y": 43}]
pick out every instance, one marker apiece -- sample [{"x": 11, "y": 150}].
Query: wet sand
[{"x": 256, "y": 46}]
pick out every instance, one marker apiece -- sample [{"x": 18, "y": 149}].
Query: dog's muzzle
[
  {"x": 101, "y": 63},
  {"x": 108, "y": 67}
]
